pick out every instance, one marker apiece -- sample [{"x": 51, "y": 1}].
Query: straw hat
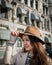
[{"x": 34, "y": 32}]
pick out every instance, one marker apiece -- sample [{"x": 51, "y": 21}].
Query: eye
[{"x": 25, "y": 40}]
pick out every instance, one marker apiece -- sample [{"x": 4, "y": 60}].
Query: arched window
[{"x": 19, "y": 42}]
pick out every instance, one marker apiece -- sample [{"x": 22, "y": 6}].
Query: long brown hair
[{"x": 40, "y": 55}]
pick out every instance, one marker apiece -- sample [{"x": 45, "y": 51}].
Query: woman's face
[{"x": 27, "y": 43}]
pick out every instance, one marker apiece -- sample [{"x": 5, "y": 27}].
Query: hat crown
[{"x": 33, "y": 30}]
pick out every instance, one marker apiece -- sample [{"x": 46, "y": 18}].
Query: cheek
[{"x": 29, "y": 47}]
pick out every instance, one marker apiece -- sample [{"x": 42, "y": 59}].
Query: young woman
[{"x": 32, "y": 52}]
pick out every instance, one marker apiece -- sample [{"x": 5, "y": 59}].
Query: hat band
[
  {"x": 32, "y": 34},
  {"x": 29, "y": 33}
]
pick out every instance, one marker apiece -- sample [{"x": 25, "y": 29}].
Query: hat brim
[{"x": 29, "y": 34}]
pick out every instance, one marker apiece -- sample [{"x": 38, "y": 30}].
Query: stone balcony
[{"x": 12, "y": 26}]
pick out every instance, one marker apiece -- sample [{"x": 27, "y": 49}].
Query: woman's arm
[{"x": 8, "y": 58}]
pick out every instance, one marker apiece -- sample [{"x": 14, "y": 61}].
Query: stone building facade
[
  {"x": 50, "y": 12},
  {"x": 16, "y": 15}
]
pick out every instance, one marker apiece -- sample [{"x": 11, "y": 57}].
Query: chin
[{"x": 27, "y": 49}]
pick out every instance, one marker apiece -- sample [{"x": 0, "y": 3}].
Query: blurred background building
[
  {"x": 50, "y": 12},
  {"x": 16, "y": 15}
]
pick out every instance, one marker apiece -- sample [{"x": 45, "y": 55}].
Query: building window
[
  {"x": 31, "y": 3},
  {"x": 33, "y": 22},
  {"x": 50, "y": 11},
  {"x": 43, "y": 9},
  {"x": 45, "y": 24},
  {"x": 19, "y": 17},
  {"x": 48, "y": 28},
  {"x": 46, "y": 1},
  {"x": 19, "y": 42},
  {"x": 3, "y": 13},
  {"x": 26, "y": 1},
  {"x": 2, "y": 43},
  {"x": 46, "y": 11},
  {"x": 42, "y": 26},
  {"x": 38, "y": 24},
  {"x": 19, "y": 0},
  {"x": 27, "y": 18},
  {"x": 51, "y": 25},
  {"x": 36, "y": 4}
]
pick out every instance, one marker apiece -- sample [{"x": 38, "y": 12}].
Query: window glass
[
  {"x": 48, "y": 27},
  {"x": 19, "y": 0},
  {"x": 46, "y": 11},
  {"x": 31, "y": 3},
  {"x": 2, "y": 43},
  {"x": 19, "y": 42},
  {"x": 38, "y": 24},
  {"x": 33, "y": 22},
  {"x": 45, "y": 24},
  {"x": 36, "y": 4},
  {"x": 25, "y": 1},
  {"x": 3, "y": 13},
  {"x": 26, "y": 18},
  {"x": 43, "y": 9}
]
